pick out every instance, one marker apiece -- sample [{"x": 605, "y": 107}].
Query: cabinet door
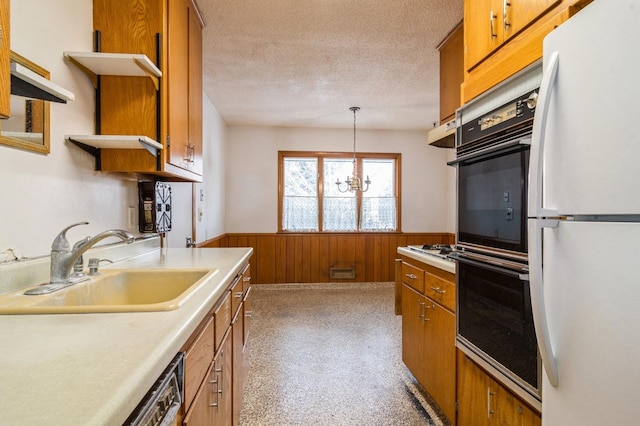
[
  {"x": 239, "y": 364},
  {"x": 178, "y": 83},
  {"x": 482, "y": 30},
  {"x": 451, "y": 74},
  {"x": 246, "y": 308},
  {"x": 472, "y": 393},
  {"x": 413, "y": 331},
  {"x": 195, "y": 90},
  {"x": 5, "y": 75},
  {"x": 517, "y": 14},
  {"x": 440, "y": 356},
  {"x": 223, "y": 366},
  {"x": 483, "y": 401},
  {"x": 184, "y": 82},
  {"x": 509, "y": 410},
  {"x": 202, "y": 411}
]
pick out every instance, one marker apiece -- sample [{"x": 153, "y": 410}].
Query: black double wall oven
[{"x": 494, "y": 318}]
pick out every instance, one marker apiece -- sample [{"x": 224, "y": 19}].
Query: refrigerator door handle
[
  {"x": 536, "y": 166},
  {"x": 536, "y": 288}
]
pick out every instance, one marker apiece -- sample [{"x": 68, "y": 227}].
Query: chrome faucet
[{"x": 63, "y": 258}]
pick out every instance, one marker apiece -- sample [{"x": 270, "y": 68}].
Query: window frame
[{"x": 320, "y": 156}]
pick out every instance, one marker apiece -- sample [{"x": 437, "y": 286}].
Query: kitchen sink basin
[{"x": 139, "y": 290}]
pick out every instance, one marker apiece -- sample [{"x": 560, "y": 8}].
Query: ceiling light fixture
[{"x": 353, "y": 183}]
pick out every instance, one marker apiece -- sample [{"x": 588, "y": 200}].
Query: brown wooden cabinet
[
  {"x": 428, "y": 331},
  {"x": 501, "y": 37},
  {"x": 212, "y": 404},
  {"x": 216, "y": 361},
  {"x": 488, "y": 24},
  {"x": 5, "y": 53},
  {"x": 240, "y": 292},
  {"x": 184, "y": 75},
  {"x": 484, "y": 401},
  {"x": 451, "y": 72},
  {"x": 167, "y": 110}
]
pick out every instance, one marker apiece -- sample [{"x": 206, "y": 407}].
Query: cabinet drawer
[
  {"x": 236, "y": 295},
  {"x": 440, "y": 290},
  {"x": 222, "y": 317},
  {"x": 197, "y": 361},
  {"x": 413, "y": 277},
  {"x": 246, "y": 279}
]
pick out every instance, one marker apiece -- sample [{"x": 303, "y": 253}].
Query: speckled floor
[{"x": 329, "y": 354}]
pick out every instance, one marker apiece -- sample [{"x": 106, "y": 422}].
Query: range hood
[
  {"x": 29, "y": 84},
  {"x": 443, "y": 136}
]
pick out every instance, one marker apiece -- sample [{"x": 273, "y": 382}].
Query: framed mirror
[{"x": 28, "y": 126}]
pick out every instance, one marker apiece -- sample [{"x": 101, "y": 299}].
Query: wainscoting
[{"x": 307, "y": 258}]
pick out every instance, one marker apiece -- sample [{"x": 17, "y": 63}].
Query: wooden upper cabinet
[
  {"x": 501, "y": 37},
  {"x": 169, "y": 33},
  {"x": 482, "y": 34},
  {"x": 185, "y": 86},
  {"x": 488, "y": 24},
  {"x": 5, "y": 52},
  {"x": 451, "y": 73},
  {"x": 518, "y": 14}
]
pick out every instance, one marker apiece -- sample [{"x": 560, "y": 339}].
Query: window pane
[
  {"x": 379, "y": 202},
  {"x": 300, "y": 201},
  {"x": 339, "y": 209}
]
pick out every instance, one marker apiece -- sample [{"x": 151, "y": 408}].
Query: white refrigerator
[{"x": 584, "y": 218}]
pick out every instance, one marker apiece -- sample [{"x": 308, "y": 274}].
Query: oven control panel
[{"x": 516, "y": 113}]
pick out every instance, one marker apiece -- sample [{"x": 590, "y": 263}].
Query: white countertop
[
  {"x": 445, "y": 265},
  {"x": 93, "y": 369}
]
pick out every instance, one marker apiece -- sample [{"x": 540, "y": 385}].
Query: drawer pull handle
[
  {"x": 438, "y": 290},
  {"x": 238, "y": 295},
  {"x": 411, "y": 276},
  {"x": 248, "y": 314}
]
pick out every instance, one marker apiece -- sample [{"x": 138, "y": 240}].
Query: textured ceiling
[{"x": 303, "y": 63}]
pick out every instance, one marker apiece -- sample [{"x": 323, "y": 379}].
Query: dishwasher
[{"x": 161, "y": 405}]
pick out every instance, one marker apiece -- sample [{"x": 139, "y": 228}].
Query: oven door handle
[
  {"x": 490, "y": 266},
  {"x": 490, "y": 150}
]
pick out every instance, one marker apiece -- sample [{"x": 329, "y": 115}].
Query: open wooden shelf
[{"x": 122, "y": 64}]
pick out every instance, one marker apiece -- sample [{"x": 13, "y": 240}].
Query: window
[{"x": 310, "y": 201}]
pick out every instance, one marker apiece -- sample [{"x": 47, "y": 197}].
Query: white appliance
[{"x": 584, "y": 218}]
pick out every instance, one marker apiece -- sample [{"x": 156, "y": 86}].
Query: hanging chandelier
[{"x": 353, "y": 182}]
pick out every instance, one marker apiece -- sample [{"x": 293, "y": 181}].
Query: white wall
[
  {"x": 252, "y": 183},
  {"x": 41, "y": 194},
  {"x": 212, "y": 222}
]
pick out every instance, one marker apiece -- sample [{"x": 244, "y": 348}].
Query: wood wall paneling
[{"x": 307, "y": 258}]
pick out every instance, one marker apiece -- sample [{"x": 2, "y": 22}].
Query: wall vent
[{"x": 342, "y": 273}]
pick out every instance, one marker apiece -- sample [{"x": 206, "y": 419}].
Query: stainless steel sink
[{"x": 135, "y": 290}]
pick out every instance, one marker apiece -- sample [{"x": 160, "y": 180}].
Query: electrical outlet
[{"x": 131, "y": 213}]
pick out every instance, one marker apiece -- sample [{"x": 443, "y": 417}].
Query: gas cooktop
[{"x": 438, "y": 250}]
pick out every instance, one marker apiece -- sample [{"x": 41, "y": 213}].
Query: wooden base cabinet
[
  {"x": 216, "y": 361},
  {"x": 484, "y": 401},
  {"x": 212, "y": 404},
  {"x": 428, "y": 332}
]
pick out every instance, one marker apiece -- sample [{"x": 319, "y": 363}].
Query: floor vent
[{"x": 342, "y": 273}]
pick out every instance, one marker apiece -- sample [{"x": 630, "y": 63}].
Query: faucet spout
[{"x": 63, "y": 258}]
